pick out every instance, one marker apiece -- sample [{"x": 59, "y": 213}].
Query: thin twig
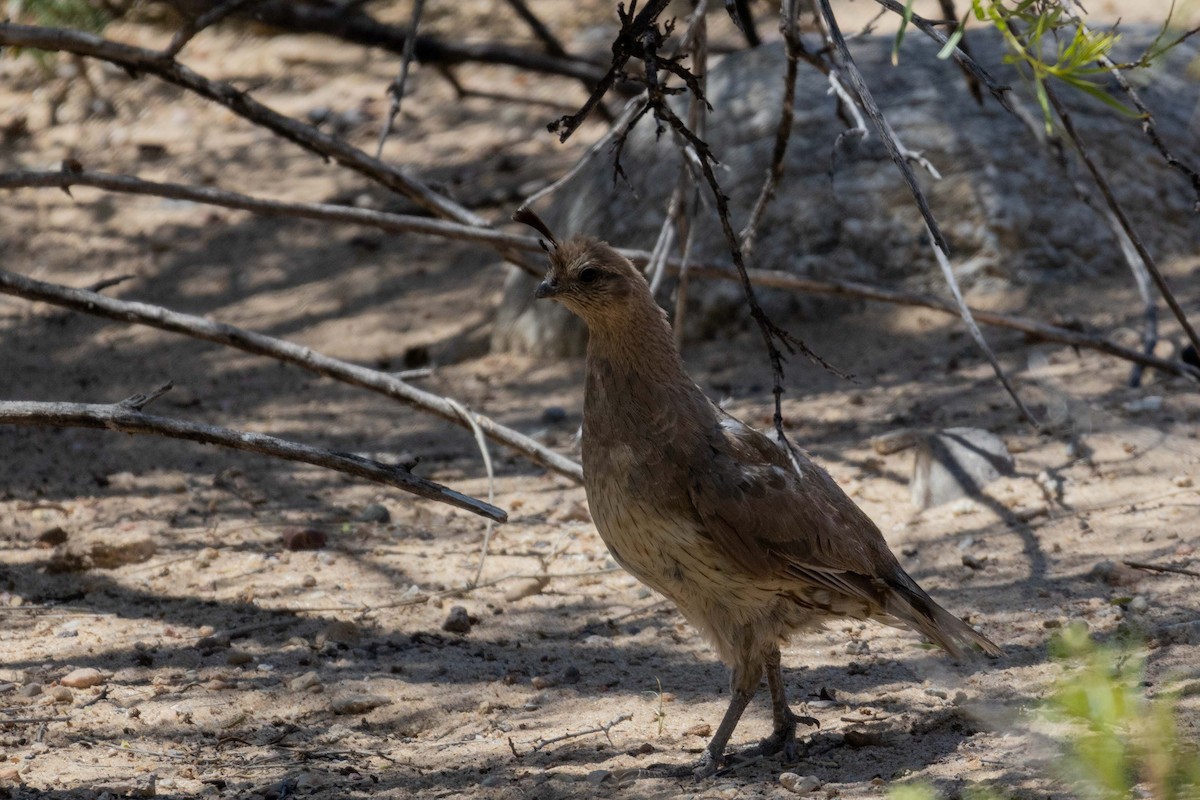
[
  {"x": 31, "y": 720},
  {"x": 481, "y": 441},
  {"x": 281, "y": 350},
  {"x": 141, "y": 60},
  {"x": 396, "y": 90},
  {"x": 393, "y": 223},
  {"x": 789, "y": 14},
  {"x": 400, "y": 223},
  {"x": 629, "y": 42},
  {"x": 1119, "y": 212},
  {"x": 938, "y": 240},
  {"x": 541, "y": 743},
  {"x": 548, "y": 39},
  {"x": 126, "y": 418},
  {"x": 1191, "y": 573},
  {"x": 189, "y": 29}
]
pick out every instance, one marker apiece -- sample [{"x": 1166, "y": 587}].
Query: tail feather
[{"x": 909, "y": 603}]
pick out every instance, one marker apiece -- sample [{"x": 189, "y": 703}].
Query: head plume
[{"x": 526, "y": 216}]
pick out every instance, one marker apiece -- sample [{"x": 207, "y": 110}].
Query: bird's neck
[{"x": 639, "y": 341}]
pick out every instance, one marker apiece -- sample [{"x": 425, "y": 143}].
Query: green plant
[{"x": 1116, "y": 737}]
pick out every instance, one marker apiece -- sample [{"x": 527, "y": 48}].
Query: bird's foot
[{"x": 707, "y": 766}]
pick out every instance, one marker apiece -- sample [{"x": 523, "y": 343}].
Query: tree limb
[
  {"x": 281, "y": 350},
  {"x": 141, "y": 60},
  {"x": 401, "y": 223},
  {"x": 127, "y": 417}
]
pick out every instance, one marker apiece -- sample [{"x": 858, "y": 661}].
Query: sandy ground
[{"x": 232, "y": 666}]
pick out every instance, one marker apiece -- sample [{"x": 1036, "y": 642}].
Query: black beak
[{"x": 545, "y": 289}]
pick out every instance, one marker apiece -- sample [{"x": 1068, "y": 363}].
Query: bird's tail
[{"x": 909, "y": 603}]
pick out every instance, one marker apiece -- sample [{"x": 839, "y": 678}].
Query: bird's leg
[
  {"x": 742, "y": 686},
  {"x": 783, "y": 737}
]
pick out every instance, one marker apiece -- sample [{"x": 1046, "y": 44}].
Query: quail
[{"x": 751, "y": 544}]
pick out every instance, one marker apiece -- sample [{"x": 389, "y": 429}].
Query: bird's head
[{"x": 586, "y": 275}]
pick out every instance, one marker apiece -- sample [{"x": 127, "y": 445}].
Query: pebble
[
  {"x": 799, "y": 784},
  {"x": 1114, "y": 574},
  {"x": 570, "y": 675},
  {"x": 295, "y": 538},
  {"x": 308, "y": 581},
  {"x": 358, "y": 703},
  {"x": 1151, "y": 403},
  {"x": 308, "y": 682},
  {"x": 526, "y": 588},
  {"x": 973, "y": 562},
  {"x": 339, "y": 632},
  {"x": 457, "y": 621},
  {"x": 375, "y": 512},
  {"x": 1139, "y": 604},
  {"x": 82, "y": 678},
  {"x": 30, "y": 690},
  {"x": 61, "y": 694},
  {"x": 238, "y": 657},
  {"x": 51, "y": 537},
  {"x": 554, "y": 415},
  {"x": 1182, "y": 481}
]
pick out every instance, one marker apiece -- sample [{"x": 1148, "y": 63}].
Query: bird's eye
[{"x": 588, "y": 275}]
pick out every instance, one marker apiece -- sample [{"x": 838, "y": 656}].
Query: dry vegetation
[{"x": 232, "y": 662}]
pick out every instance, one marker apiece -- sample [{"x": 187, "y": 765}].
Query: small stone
[
  {"x": 52, "y": 537},
  {"x": 799, "y": 784},
  {"x": 570, "y": 675},
  {"x": 554, "y": 415},
  {"x": 538, "y": 682},
  {"x": 457, "y": 621},
  {"x": 375, "y": 512},
  {"x": 598, "y": 776},
  {"x": 1182, "y": 481},
  {"x": 339, "y": 632},
  {"x": 308, "y": 582},
  {"x": 526, "y": 588},
  {"x": 295, "y": 538},
  {"x": 237, "y": 658},
  {"x": 61, "y": 694},
  {"x": 1150, "y": 403},
  {"x": 939, "y": 693},
  {"x": 973, "y": 562},
  {"x": 308, "y": 682},
  {"x": 1139, "y": 604},
  {"x": 30, "y": 690},
  {"x": 83, "y": 678},
  {"x": 358, "y": 703},
  {"x": 702, "y": 729},
  {"x": 1114, "y": 574}
]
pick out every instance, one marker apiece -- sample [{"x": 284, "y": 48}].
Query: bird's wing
[{"x": 776, "y": 521}]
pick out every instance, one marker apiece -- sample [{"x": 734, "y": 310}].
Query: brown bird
[{"x": 711, "y": 513}]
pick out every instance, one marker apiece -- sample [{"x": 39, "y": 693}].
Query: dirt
[{"x": 157, "y": 637}]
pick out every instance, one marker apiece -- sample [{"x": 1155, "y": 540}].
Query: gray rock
[{"x": 1010, "y": 214}]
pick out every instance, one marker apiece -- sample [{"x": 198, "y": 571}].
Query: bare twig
[
  {"x": 789, "y": 14},
  {"x": 393, "y": 223},
  {"x": 1191, "y": 573},
  {"x": 938, "y": 240},
  {"x": 481, "y": 442},
  {"x": 1115, "y": 207},
  {"x": 189, "y": 29},
  {"x": 141, "y": 60},
  {"x": 127, "y": 418},
  {"x": 544, "y": 35},
  {"x": 396, "y": 90},
  {"x": 281, "y": 350},
  {"x": 629, "y": 42},
  {"x": 1031, "y": 327},
  {"x": 541, "y": 743},
  {"x": 400, "y": 223},
  {"x": 31, "y": 720}
]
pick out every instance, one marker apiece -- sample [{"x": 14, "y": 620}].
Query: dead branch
[
  {"x": 281, "y": 350},
  {"x": 1033, "y": 328},
  {"x": 127, "y": 417},
  {"x": 540, "y": 743},
  {"x": 1162, "y": 568},
  {"x": 789, "y": 26},
  {"x": 191, "y": 28},
  {"x": 396, "y": 90},
  {"x": 393, "y": 223},
  {"x": 401, "y": 223},
  {"x": 360, "y": 28},
  {"x": 137, "y": 60},
  {"x": 629, "y": 43},
  {"x": 845, "y": 62},
  {"x": 1115, "y": 207}
]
